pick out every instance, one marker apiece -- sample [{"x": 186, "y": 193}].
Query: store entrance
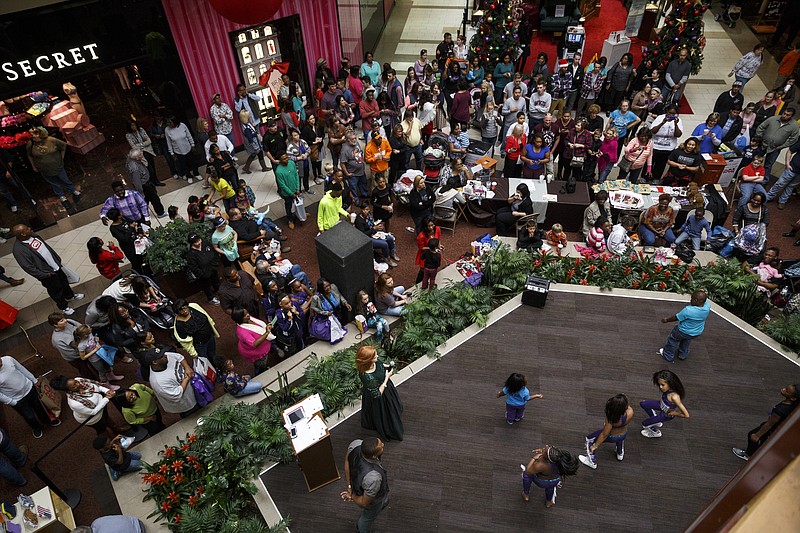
[{"x": 93, "y": 120}]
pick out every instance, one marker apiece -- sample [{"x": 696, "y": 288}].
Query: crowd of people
[{"x": 545, "y": 122}]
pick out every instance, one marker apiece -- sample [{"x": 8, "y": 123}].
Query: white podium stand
[
  {"x": 613, "y": 49},
  {"x": 311, "y": 442}
]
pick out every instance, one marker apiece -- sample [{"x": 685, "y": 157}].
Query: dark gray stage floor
[{"x": 458, "y": 468}]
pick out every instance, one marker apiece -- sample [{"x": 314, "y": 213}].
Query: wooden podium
[
  {"x": 711, "y": 169},
  {"x": 311, "y": 442}
]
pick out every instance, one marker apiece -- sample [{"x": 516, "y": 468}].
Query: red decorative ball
[{"x": 245, "y": 11}]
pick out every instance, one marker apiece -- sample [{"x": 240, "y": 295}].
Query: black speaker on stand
[
  {"x": 535, "y": 292},
  {"x": 345, "y": 258}
]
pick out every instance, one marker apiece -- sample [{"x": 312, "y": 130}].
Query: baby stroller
[
  {"x": 159, "y": 314},
  {"x": 475, "y": 95},
  {"x": 433, "y": 158},
  {"x": 731, "y": 12}
]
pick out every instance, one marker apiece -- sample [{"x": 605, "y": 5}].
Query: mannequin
[{"x": 72, "y": 92}]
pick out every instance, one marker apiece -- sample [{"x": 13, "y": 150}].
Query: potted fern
[{"x": 167, "y": 255}]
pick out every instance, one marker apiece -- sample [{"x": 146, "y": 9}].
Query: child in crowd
[
  {"x": 608, "y": 154},
  {"x": 172, "y": 211},
  {"x": 751, "y": 151},
  {"x": 693, "y": 228},
  {"x": 432, "y": 259},
  {"x": 597, "y": 235},
  {"x": 328, "y": 179},
  {"x": 517, "y": 397},
  {"x": 241, "y": 201},
  {"x": 668, "y": 407},
  {"x": 593, "y": 152},
  {"x": 235, "y": 384},
  {"x": 768, "y": 272},
  {"x": 374, "y": 320},
  {"x": 88, "y": 345},
  {"x": 119, "y": 460},
  {"x": 619, "y": 414},
  {"x": 556, "y": 236}
]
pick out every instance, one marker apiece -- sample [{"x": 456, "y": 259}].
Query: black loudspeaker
[
  {"x": 535, "y": 292},
  {"x": 345, "y": 259}
]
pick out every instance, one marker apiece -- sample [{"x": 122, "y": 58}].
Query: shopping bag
[
  {"x": 50, "y": 398},
  {"x": 202, "y": 390},
  {"x": 72, "y": 276},
  {"x": 337, "y": 331},
  {"x": 300, "y": 209},
  {"x": 751, "y": 238},
  {"x": 204, "y": 367}
]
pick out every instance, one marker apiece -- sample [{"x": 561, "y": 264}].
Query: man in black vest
[{"x": 367, "y": 483}]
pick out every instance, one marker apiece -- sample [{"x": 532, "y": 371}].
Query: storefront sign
[{"x": 48, "y": 62}]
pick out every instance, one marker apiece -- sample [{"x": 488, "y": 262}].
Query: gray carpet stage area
[{"x": 457, "y": 470}]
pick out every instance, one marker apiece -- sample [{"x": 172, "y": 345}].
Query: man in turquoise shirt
[
  {"x": 288, "y": 185},
  {"x": 691, "y": 321}
]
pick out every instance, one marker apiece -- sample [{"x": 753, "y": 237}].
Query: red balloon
[{"x": 246, "y": 11}]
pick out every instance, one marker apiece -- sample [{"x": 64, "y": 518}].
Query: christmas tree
[
  {"x": 682, "y": 29},
  {"x": 497, "y": 33}
]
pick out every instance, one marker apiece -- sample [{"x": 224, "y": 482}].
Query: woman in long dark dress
[{"x": 380, "y": 404}]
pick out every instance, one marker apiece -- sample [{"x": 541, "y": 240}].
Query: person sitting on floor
[
  {"x": 235, "y": 384},
  {"x": 119, "y": 460}
]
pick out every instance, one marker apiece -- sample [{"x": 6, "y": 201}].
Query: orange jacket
[{"x": 372, "y": 150}]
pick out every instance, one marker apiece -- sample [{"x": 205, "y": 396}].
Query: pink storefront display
[
  {"x": 79, "y": 133},
  {"x": 202, "y": 39}
]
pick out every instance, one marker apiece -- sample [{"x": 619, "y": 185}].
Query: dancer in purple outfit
[
  {"x": 517, "y": 396},
  {"x": 668, "y": 407},
  {"x": 545, "y": 470},
  {"x": 619, "y": 414}
]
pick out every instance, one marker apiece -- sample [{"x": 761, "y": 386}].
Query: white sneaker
[
  {"x": 3, "y": 241},
  {"x": 5, "y": 230},
  {"x": 319, "y": 180},
  {"x": 189, "y": 180},
  {"x": 621, "y": 456},
  {"x": 77, "y": 296},
  {"x": 62, "y": 198},
  {"x": 651, "y": 433},
  {"x": 68, "y": 311},
  {"x": 14, "y": 209},
  {"x": 214, "y": 301},
  {"x": 76, "y": 193},
  {"x": 587, "y": 461}
]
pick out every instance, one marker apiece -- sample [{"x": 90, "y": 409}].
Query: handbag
[
  {"x": 624, "y": 165},
  {"x": 300, "y": 209},
  {"x": 202, "y": 390},
  {"x": 72, "y": 276},
  {"x": 577, "y": 161},
  {"x": 49, "y": 397},
  {"x": 684, "y": 252}
]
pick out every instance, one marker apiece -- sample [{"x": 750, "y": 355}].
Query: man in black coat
[
  {"x": 731, "y": 123},
  {"x": 728, "y": 99},
  {"x": 36, "y": 258},
  {"x": 577, "y": 72}
]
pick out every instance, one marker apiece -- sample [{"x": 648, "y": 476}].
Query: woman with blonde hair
[{"x": 380, "y": 404}]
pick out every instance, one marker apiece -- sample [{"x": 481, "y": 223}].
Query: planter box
[{"x": 175, "y": 285}]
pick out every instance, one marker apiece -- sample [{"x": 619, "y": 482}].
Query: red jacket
[
  {"x": 108, "y": 262},
  {"x": 422, "y": 242}
]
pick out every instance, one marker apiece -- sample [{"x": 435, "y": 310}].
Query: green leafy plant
[
  {"x": 436, "y": 316},
  {"x": 171, "y": 245},
  {"x": 784, "y": 329},
  {"x": 334, "y": 378}
]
